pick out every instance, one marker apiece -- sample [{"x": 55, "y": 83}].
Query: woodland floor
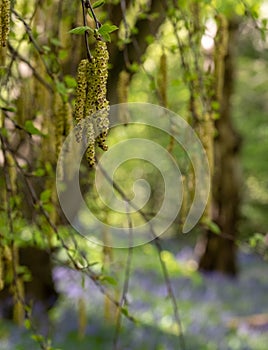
[{"x": 216, "y": 311}]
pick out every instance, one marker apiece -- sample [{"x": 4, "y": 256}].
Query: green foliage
[
  {"x": 105, "y": 30},
  {"x": 42, "y": 66},
  {"x": 212, "y": 226},
  {"x": 98, "y": 3},
  {"x": 81, "y": 30},
  {"x": 31, "y": 129}
]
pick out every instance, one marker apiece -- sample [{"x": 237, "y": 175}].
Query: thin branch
[
  {"x": 15, "y": 53},
  {"x": 123, "y": 299},
  {"x": 89, "y": 6},
  {"x": 89, "y": 56},
  {"x": 34, "y": 42}
]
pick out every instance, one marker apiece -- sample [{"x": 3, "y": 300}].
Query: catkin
[
  {"x": 91, "y": 105},
  {"x": 63, "y": 122},
  {"x": 58, "y": 112},
  {"x": 102, "y": 105},
  {"x": 90, "y": 136},
  {"x": 81, "y": 94},
  {"x": 2, "y": 282},
  {"x": 122, "y": 93},
  {"x": 162, "y": 80},
  {"x": 89, "y": 111},
  {"x": 4, "y": 22}
]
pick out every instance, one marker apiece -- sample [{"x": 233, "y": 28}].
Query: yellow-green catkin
[
  {"x": 58, "y": 112},
  {"x": 81, "y": 95},
  {"x": 102, "y": 105},
  {"x": 122, "y": 93},
  {"x": 162, "y": 80},
  {"x": 90, "y": 136},
  {"x": 91, "y": 105},
  {"x": 89, "y": 110},
  {"x": 2, "y": 282},
  {"x": 63, "y": 120},
  {"x": 4, "y": 22}
]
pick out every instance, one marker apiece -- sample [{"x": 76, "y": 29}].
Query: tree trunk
[{"x": 219, "y": 251}]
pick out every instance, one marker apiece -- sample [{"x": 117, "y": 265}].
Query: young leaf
[
  {"x": 80, "y": 30},
  {"x": 105, "y": 30},
  {"x": 98, "y": 4}
]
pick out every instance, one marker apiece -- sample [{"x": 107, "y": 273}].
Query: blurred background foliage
[{"x": 216, "y": 311}]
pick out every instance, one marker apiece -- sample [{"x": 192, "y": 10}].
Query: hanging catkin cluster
[
  {"x": 91, "y": 105},
  {"x": 4, "y": 21}
]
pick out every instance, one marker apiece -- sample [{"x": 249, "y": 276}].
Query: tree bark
[{"x": 219, "y": 251}]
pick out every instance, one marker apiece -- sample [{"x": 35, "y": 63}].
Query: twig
[
  {"x": 123, "y": 299},
  {"x": 15, "y": 53},
  {"x": 34, "y": 42},
  {"x": 88, "y": 6},
  {"x": 89, "y": 56}
]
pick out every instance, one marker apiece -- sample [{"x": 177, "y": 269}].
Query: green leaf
[
  {"x": 61, "y": 88},
  {"x": 63, "y": 54},
  {"x": 45, "y": 196},
  {"x": 149, "y": 39},
  {"x": 213, "y": 227},
  {"x": 124, "y": 311},
  {"x": 98, "y": 4},
  {"x": 39, "y": 172},
  {"x": 105, "y": 30},
  {"x": 106, "y": 37},
  {"x": 9, "y": 109},
  {"x": 3, "y": 132},
  {"x": 37, "y": 337},
  {"x": 80, "y": 30},
  {"x": 48, "y": 207},
  {"x": 70, "y": 81},
  {"x": 31, "y": 129},
  {"x": 134, "y": 67},
  {"x": 55, "y": 41},
  {"x": 27, "y": 324},
  {"x": 109, "y": 280}
]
